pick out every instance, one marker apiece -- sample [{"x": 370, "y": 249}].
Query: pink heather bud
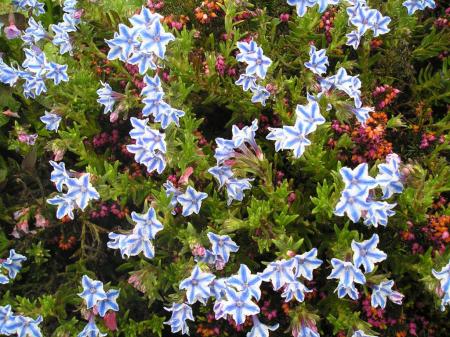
[
  {"x": 291, "y": 197},
  {"x": 58, "y": 154},
  {"x": 220, "y": 263},
  {"x": 185, "y": 176},
  {"x": 41, "y": 222},
  {"x": 110, "y": 320},
  {"x": 12, "y": 31},
  {"x": 114, "y": 116},
  {"x": 198, "y": 250},
  {"x": 445, "y": 235},
  {"x": 284, "y": 17},
  {"x": 290, "y": 253},
  {"x": 78, "y": 14}
]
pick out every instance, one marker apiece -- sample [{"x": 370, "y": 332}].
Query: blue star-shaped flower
[
  {"x": 239, "y": 305},
  {"x": 295, "y": 289},
  {"x": 125, "y": 43},
  {"x": 155, "y": 161},
  {"x": 222, "y": 245},
  {"x": 138, "y": 242},
  {"x": 260, "y": 94},
  {"x": 248, "y": 82},
  {"x": 310, "y": 115},
  {"x": 307, "y": 331},
  {"x": 106, "y": 97},
  {"x": 3, "y": 280},
  {"x": 246, "y": 49},
  {"x": 91, "y": 330},
  {"x": 153, "y": 140},
  {"x": 381, "y": 292},
  {"x": 279, "y": 273},
  {"x": 444, "y": 278},
  {"x": 258, "y": 63},
  {"x": 144, "y": 60},
  {"x": 23, "y": 326},
  {"x": 191, "y": 201},
  {"x": 346, "y": 273},
  {"x": 81, "y": 190},
  {"x": 362, "y": 114},
  {"x": 197, "y": 286},
  {"x": 363, "y": 18},
  {"x": 5, "y": 316},
  {"x": 235, "y": 189},
  {"x": 148, "y": 222},
  {"x": 306, "y": 263},
  {"x": 353, "y": 204},
  {"x": 353, "y": 39},
  {"x": 168, "y": 117},
  {"x": 181, "y": 312},
  {"x": 110, "y": 303},
  {"x": 366, "y": 253},
  {"x": 13, "y": 263},
  {"x": 34, "y": 86},
  {"x": 277, "y": 135},
  {"x": 140, "y": 128},
  {"x": 413, "y": 5},
  {"x": 296, "y": 138},
  {"x": 57, "y": 72},
  {"x": 245, "y": 135},
  {"x": 61, "y": 38},
  {"x": 152, "y": 85},
  {"x": 65, "y": 205},
  {"x": 221, "y": 173},
  {"x": 318, "y": 61},
  {"x": 155, "y": 39},
  {"x": 389, "y": 176},
  {"x": 59, "y": 175},
  {"x": 259, "y": 329},
  {"x": 154, "y": 105},
  {"x": 379, "y": 24},
  {"x": 34, "y": 32},
  {"x": 301, "y": 5},
  {"x": 245, "y": 280},
  {"x": 344, "y": 290},
  {"x": 51, "y": 121},
  {"x": 358, "y": 179},
  {"x": 8, "y": 75},
  {"x": 378, "y": 213},
  {"x": 92, "y": 291},
  {"x": 145, "y": 19}
]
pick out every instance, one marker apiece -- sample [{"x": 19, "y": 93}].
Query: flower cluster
[
  {"x": 143, "y": 43},
  {"x": 364, "y": 19},
  {"x": 17, "y": 324},
  {"x": 218, "y": 256},
  {"x": 365, "y": 254},
  {"x": 79, "y": 191},
  {"x": 139, "y": 240},
  {"x": 228, "y": 152},
  {"x": 357, "y": 198},
  {"x": 12, "y": 266},
  {"x": 234, "y": 295},
  {"x": 190, "y": 200},
  {"x": 100, "y": 301},
  {"x": 36, "y": 68},
  {"x": 150, "y": 146},
  {"x": 294, "y": 137},
  {"x": 257, "y": 66}
]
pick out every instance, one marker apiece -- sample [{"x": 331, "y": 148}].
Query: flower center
[
  {"x": 92, "y": 290},
  {"x": 239, "y": 304}
]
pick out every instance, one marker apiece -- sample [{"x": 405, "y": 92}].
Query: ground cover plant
[{"x": 224, "y": 168}]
